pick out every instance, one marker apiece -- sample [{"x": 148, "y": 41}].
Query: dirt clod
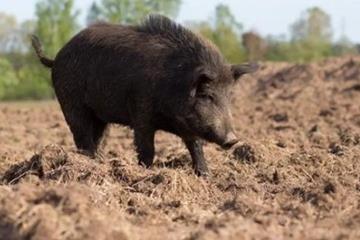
[
  {"x": 245, "y": 153},
  {"x": 336, "y": 149},
  {"x": 280, "y": 117},
  {"x": 329, "y": 188}
]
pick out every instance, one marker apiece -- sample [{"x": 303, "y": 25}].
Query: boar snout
[{"x": 230, "y": 141}]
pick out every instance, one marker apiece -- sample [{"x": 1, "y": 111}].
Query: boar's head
[
  {"x": 194, "y": 97},
  {"x": 208, "y": 112}
]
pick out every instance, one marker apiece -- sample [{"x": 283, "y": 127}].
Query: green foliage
[
  {"x": 23, "y": 83},
  {"x": 8, "y": 77},
  {"x": 23, "y": 76},
  {"x": 131, "y": 11},
  {"x": 277, "y": 49},
  {"x": 344, "y": 47},
  {"x": 313, "y": 26},
  {"x": 8, "y": 32},
  {"x": 254, "y": 45},
  {"x": 225, "y": 33},
  {"x": 56, "y": 24},
  {"x": 14, "y": 59},
  {"x": 311, "y": 36},
  {"x": 311, "y": 39}
]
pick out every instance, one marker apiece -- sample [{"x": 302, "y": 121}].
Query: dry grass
[{"x": 297, "y": 176}]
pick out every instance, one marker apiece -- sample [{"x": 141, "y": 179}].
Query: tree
[
  {"x": 225, "y": 32},
  {"x": 7, "y": 77},
  {"x": 313, "y": 25},
  {"x": 311, "y": 35},
  {"x": 132, "y": 11},
  {"x": 8, "y": 29},
  {"x": 344, "y": 47},
  {"x": 166, "y": 7},
  {"x": 225, "y": 19},
  {"x": 56, "y": 23},
  {"x": 94, "y": 14},
  {"x": 255, "y": 46},
  {"x": 357, "y": 48},
  {"x": 14, "y": 40},
  {"x": 14, "y": 47},
  {"x": 278, "y": 48}
]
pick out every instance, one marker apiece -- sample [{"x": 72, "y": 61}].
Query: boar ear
[
  {"x": 201, "y": 78},
  {"x": 241, "y": 69}
]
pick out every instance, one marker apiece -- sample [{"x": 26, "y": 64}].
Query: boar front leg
[
  {"x": 144, "y": 142},
  {"x": 195, "y": 148}
]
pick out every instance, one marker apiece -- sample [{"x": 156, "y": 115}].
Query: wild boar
[{"x": 154, "y": 76}]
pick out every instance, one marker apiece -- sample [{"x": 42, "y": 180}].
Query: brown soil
[{"x": 296, "y": 174}]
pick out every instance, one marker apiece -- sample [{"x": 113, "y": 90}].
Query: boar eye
[
  {"x": 200, "y": 85},
  {"x": 205, "y": 96}
]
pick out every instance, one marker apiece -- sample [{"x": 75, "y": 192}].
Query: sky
[{"x": 264, "y": 16}]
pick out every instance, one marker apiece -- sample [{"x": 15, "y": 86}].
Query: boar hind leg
[
  {"x": 82, "y": 124},
  {"x": 196, "y": 151},
  {"x": 144, "y": 142},
  {"x": 98, "y": 131}
]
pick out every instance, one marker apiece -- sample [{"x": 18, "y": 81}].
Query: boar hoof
[
  {"x": 202, "y": 171},
  {"x": 145, "y": 164},
  {"x": 86, "y": 153}
]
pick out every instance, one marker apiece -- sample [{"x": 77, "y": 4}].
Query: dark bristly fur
[{"x": 154, "y": 76}]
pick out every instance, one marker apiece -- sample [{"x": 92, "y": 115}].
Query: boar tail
[{"x": 39, "y": 52}]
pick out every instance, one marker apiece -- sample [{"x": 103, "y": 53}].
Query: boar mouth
[
  {"x": 228, "y": 145},
  {"x": 230, "y": 141}
]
